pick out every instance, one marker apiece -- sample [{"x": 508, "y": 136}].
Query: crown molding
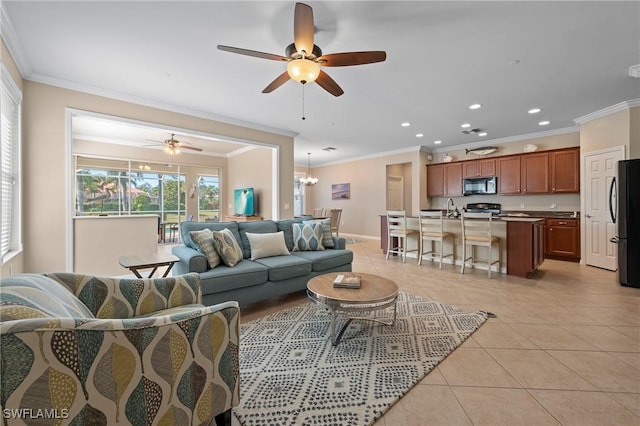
[
  {"x": 622, "y": 106},
  {"x": 417, "y": 148},
  {"x": 10, "y": 38},
  {"x": 152, "y": 103},
  {"x": 527, "y": 136}
]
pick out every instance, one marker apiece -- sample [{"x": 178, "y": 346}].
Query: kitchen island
[{"x": 521, "y": 242}]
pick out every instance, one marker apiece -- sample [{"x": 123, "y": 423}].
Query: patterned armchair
[{"x": 78, "y": 350}]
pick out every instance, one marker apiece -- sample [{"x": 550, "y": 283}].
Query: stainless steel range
[{"x": 493, "y": 208}]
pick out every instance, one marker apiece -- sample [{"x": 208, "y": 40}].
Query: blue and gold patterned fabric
[{"x": 78, "y": 350}]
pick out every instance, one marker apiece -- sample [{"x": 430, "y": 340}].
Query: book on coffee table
[{"x": 347, "y": 281}]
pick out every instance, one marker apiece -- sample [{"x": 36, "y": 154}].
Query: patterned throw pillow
[
  {"x": 204, "y": 241},
  {"x": 307, "y": 237},
  {"x": 227, "y": 247},
  {"x": 327, "y": 237}
]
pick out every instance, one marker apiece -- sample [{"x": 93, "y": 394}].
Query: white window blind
[{"x": 9, "y": 163}]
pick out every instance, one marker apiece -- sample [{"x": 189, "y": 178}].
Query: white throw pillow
[{"x": 267, "y": 245}]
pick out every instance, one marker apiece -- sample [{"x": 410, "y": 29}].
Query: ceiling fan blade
[
  {"x": 303, "y": 28},
  {"x": 253, "y": 53},
  {"x": 352, "y": 58},
  {"x": 193, "y": 148},
  {"x": 329, "y": 84},
  {"x": 279, "y": 81}
]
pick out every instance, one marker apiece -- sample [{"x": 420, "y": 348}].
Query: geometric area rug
[{"x": 290, "y": 374}]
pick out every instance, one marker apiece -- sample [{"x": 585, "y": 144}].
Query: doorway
[
  {"x": 600, "y": 168},
  {"x": 395, "y": 192}
]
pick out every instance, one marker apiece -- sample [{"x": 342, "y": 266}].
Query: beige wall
[
  {"x": 360, "y": 214},
  {"x": 606, "y": 132},
  {"x": 634, "y": 139},
  {"x": 253, "y": 168},
  {"x": 46, "y": 154}
]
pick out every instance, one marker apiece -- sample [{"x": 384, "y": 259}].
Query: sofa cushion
[
  {"x": 204, "y": 241},
  {"x": 187, "y": 227},
  {"x": 286, "y": 226},
  {"x": 227, "y": 247},
  {"x": 327, "y": 236},
  {"x": 327, "y": 259},
  {"x": 285, "y": 267},
  {"x": 223, "y": 278},
  {"x": 307, "y": 237},
  {"x": 267, "y": 245},
  {"x": 36, "y": 296},
  {"x": 254, "y": 227}
]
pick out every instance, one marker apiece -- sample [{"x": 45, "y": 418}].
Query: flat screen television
[{"x": 243, "y": 202}]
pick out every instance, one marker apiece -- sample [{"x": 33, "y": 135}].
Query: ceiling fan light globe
[{"x": 303, "y": 70}]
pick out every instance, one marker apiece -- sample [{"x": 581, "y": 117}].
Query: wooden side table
[{"x": 135, "y": 263}]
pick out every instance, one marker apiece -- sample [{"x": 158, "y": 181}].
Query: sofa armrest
[
  {"x": 190, "y": 260},
  {"x": 126, "y": 298},
  {"x": 339, "y": 243},
  {"x": 105, "y": 369}
]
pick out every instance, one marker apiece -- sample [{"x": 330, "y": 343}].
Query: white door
[
  {"x": 395, "y": 193},
  {"x": 600, "y": 168}
]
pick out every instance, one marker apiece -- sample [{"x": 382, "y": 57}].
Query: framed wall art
[{"x": 340, "y": 191}]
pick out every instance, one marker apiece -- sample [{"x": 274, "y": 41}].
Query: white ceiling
[{"x": 569, "y": 58}]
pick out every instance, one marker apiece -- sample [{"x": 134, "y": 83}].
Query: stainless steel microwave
[{"x": 481, "y": 185}]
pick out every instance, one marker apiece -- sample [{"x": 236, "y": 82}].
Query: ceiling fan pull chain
[{"x": 303, "y": 117}]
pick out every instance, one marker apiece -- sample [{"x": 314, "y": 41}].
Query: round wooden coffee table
[{"x": 375, "y": 293}]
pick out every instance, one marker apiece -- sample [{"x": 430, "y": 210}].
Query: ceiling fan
[
  {"x": 173, "y": 146},
  {"x": 305, "y": 58}
]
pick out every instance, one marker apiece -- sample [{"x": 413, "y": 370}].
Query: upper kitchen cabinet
[
  {"x": 508, "y": 174},
  {"x": 565, "y": 170},
  {"x": 535, "y": 173},
  {"x": 453, "y": 179},
  {"x": 479, "y": 168},
  {"x": 444, "y": 180},
  {"x": 435, "y": 180}
]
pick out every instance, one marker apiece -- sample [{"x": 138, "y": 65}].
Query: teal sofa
[{"x": 251, "y": 281}]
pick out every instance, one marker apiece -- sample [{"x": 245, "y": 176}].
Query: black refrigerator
[{"x": 627, "y": 219}]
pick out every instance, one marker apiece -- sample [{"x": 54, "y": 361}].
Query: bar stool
[
  {"x": 431, "y": 230},
  {"x": 397, "y": 228},
  {"x": 476, "y": 231}
]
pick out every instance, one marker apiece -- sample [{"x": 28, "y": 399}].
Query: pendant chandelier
[{"x": 308, "y": 180}]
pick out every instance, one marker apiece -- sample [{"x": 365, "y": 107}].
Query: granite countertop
[{"x": 542, "y": 214}]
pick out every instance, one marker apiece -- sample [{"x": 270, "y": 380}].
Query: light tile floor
[{"x": 564, "y": 348}]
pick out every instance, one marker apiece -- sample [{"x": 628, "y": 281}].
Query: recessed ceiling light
[
  {"x": 482, "y": 134},
  {"x": 437, "y": 142},
  {"x": 534, "y": 110},
  {"x": 406, "y": 124},
  {"x": 465, "y": 125},
  {"x": 475, "y": 106},
  {"x": 419, "y": 135},
  {"x": 544, "y": 123}
]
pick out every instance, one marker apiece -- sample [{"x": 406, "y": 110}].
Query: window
[
  {"x": 10, "y": 228},
  {"x": 106, "y": 187},
  {"x": 208, "y": 198}
]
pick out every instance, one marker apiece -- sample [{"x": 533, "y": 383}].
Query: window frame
[{"x": 14, "y": 245}]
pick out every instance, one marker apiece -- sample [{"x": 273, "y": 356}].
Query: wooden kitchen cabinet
[
  {"x": 564, "y": 168},
  {"x": 562, "y": 239},
  {"x": 444, "y": 180},
  {"x": 509, "y": 175},
  {"x": 479, "y": 168},
  {"x": 435, "y": 180},
  {"x": 535, "y": 173},
  {"x": 452, "y": 179},
  {"x": 525, "y": 247}
]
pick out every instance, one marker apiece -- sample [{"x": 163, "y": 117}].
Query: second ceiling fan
[{"x": 305, "y": 58}]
